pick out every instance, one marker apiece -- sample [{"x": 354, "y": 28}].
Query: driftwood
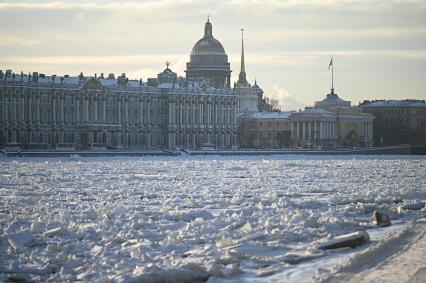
[{"x": 351, "y": 240}]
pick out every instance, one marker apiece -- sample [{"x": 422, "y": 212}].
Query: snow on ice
[{"x": 191, "y": 219}]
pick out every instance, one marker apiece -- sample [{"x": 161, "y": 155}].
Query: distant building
[
  {"x": 332, "y": 123},
  {"x": 397, "y": 121},
  {"x": 354, "y": 128},
  {"x": 264, "y": 130}
]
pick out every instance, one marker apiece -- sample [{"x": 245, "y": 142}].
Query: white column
[
  {"x": 95, "y": 111},
  {"x": 119, "y": 109},
  {"x": 37, "y": 103},
  {"x": 86, "y": 109},
  {"x": 13, "y": 112},
  {"x": 126, "y": 111},
  {"x": 309, "y": 130},
  {"x": 77, "y": 110},
  {"x": 54, "y": 109},
  {"x": 334, "y": 130},
  {"x": 62, "y": 110},
  {"x": 303, "y": 130},
  {"x": 234, "y": 114},
  {"x": 200, "y": 113},
  {"x": 30, "y": 118},
  {"x": 315, "y": 130},
  {"x": 141, "y": 104},
  {"x": 370, "y": 132},
  {"x": 22, "y": 109},
  {"x": 148, "y": 111},
  {"x": 297, "y": 131},
  {"x": 326, "y": 131},
  {"x": 104, "y": 119},
  {"x": 329, "y": 130},
  {"x": 209, "y": 118},
  {"x": 194, "y": 121}
]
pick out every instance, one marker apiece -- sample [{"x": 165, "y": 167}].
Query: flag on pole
[{"x": 331, "y": 63}]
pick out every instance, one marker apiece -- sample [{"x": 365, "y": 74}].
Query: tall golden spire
[
  {"x": 243, "y": 66},
  {"x": 242, "y": 79}
]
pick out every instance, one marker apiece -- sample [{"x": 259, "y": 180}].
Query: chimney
[{"x": 35, "y": 76}]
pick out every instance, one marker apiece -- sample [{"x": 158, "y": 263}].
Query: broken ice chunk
[
  {"x": 19, "y": 240},
  {"x": 52, "y": 232},
  {"x": 36, "y": 226}
]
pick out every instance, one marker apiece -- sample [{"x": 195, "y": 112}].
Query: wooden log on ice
[{"x": 351, "y": 240}]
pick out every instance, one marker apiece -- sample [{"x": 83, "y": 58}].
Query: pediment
[{"x": 92, "y": 84}]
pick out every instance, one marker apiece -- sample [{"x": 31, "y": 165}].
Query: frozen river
[{"x": 189, "y": 219}]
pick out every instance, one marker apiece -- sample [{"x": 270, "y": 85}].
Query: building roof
[
  {"x": 332, "y": 99},
  {"x": 393, "y": 103},
  {"x": 270, "y": 115},
  {"x": 173, "y": 86},
  {"x": 315, "y": 110}
]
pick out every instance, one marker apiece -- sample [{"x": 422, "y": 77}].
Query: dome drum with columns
[{"x": 208, "y": 61}]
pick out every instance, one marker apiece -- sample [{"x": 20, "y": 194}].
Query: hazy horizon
[{"x": 379, "y": 47}]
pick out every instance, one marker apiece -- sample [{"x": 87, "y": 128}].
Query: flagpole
[{"x": 332, "y": 74}]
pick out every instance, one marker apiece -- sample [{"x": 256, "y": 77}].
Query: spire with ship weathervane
[
  {"x": 242, "y": 79},
  {"x": 243, "y": 66}
]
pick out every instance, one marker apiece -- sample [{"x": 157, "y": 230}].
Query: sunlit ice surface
[{"x": 190, "y": 219}]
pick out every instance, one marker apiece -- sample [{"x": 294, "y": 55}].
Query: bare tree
[{"x": 272, "y": 104}]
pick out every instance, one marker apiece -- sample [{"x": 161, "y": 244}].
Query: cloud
[
  {"x": 287, "y": 42},
  {"x": 276, "y": 34},
  {"x": 98, "y": 60},
  {"x": 155, "y": 62},
  {"x": 129, "y": 6},
  {"x": 18, "y": 42},
  {"x": 287, "y": 102}
]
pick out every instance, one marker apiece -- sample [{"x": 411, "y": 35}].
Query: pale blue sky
[{"x": 379, "y": 46}]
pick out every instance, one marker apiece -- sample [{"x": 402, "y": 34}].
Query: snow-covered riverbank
[{"x": 194, "y": 218}]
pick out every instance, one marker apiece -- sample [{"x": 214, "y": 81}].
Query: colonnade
[
  {"x": 61, "y": 117},
  {"x": 314, "y": 130}
]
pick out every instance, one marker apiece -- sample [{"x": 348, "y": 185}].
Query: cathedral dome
[
  {"x": 208, "y": 61},
  {"x": 208, "y": 44}
]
